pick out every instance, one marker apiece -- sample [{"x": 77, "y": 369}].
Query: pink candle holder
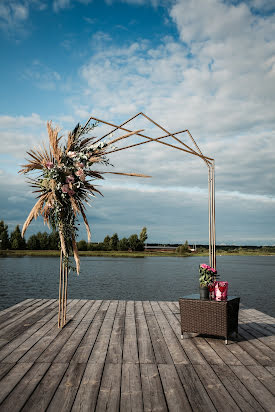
[
  {"x": 221, "y": 289},
  {"x": 211, "y": 288}
]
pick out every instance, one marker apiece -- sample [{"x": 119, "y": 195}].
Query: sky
[{"x": 203, "y": 65}]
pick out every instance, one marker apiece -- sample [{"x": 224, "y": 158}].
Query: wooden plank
[
  {"x": 109, "y": 392},
  {"x": 177, "y": 353},
  {"x": 38, "y": 304},
  {"x": 14, "y": 310},
  {"x": 5, "y": 368},
  {"x": 131, "y": 392},
  {"x": 130, "y": 349},
  {"x": 86, "y": 345},
  {"x": 241, "y": 354},
  {"x": 193, "y": 354},
  {"x": 115, "y": 349},
  {"x": 212, "y": 358},
  {"x": 17, "y": 306},
  {"x": 174, "y": 393},
  {"x": 196, "y": 393},
  {"x": 237, "y": 390},
  {"x": 255, "y": 348},
  {"x": 68, "y": 350},
  {"x": 26, "y": 340},
  {"x": 145, "y": 348},
  {"x": 222, "y": 350},
  {"x": 220, "y": 397},
  {"x": 26, "y": 321},
  {"x": 86, "y": 397},
  {"x": 64, "y": 396},
  {"x": 255, "y": 387},
  {"x": 161, "y": 351},
  {"x": 18, "y": 397},
  {"x": 12, "y": 378},
  {"x": 262, "y": 334},
  {"x": 271, "y": 369},
  {"x": 55, "y": 341},
  {"x": 153, "y": 396},
  {"x": 30, "y": 349},
  {"x": 100, "y": 348},
  {"x": 264, "y": 376},
  {"x": 44, "y": 391}
]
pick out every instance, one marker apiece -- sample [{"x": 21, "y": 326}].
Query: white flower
[{"x": 71, "y": 154}]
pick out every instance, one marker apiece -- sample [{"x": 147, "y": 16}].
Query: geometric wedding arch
[
  {"x": 64, "y": 181},
  {"x": 210, "y": 163}
]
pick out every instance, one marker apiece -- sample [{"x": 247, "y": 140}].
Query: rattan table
[{"x": 210, "y": 317}]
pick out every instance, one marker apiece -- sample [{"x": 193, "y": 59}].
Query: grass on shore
[{"x": 114, "y": 253}]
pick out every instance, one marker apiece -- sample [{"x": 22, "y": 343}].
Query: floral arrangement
[
  {"x": 65, "y": 182},
  {"x": 207, "y": 274}
]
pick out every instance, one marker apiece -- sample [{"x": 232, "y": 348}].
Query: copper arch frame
[{"x": 210, "y": 163}]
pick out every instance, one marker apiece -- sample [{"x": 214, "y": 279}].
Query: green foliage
[
  {"x": 183, "y": 249},
  {"x": 33, "y": 243},
  {"x": 82, "y": 245},
  {"x": 17, "y": 242},
  {"x": 54, "y": 241},
  {"x": 135, "y": 243},
  {"x": 143, "y": 235},
  {"x": 106, "y": 242},
  {"x": 4, "y": 236},
  {"x": 114, "y": 242},
  {"x": 207, "y": 275},
  {"x": 123, "y": 244},
  {"x": 43, "y": 239}
]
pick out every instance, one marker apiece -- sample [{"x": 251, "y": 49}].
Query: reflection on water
[{"x": 153, "y": 278}]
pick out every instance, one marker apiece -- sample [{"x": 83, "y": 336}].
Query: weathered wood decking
[{"x": 128, "y": 356}]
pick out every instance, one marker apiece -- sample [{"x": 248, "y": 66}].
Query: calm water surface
[{"x": 154, "y": 278}]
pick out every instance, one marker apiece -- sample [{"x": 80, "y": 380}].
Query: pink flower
[
  {"x": 71, "y": 192},
  {"x": 79, "y": 173},
  {"x": 69, "y": 179},
  {"x": 79, "y": 164},
  {"x": 65, "y": 188},
  {"x": 204, "y": 266},
  {"x": 213, "y": 270},
  {"x": 49, "y": 165}
]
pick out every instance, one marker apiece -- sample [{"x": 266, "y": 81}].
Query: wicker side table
[{"x": 211, "y": 317}]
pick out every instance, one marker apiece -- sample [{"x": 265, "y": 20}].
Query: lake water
[{"x": 151, "y": 278}]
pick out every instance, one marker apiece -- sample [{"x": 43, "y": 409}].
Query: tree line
[{"x": 46, "y": 241}]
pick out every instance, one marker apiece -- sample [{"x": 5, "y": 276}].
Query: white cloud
[
  {"x": 217, "y": 81},
  {"x": 15, "y": 13},
  {"x": 64, "y": 4},
  {"x": 42, "y": 76},
  {"x": 12, "y": 14}
]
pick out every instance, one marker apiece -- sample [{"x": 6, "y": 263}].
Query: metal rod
[
  {"x": 154, "y": 140},
  {"x": 209, "y": 213},
  {"x": 60, "y": 276},
  {"x": 214, "y": 219},
  {"x": 62, "y": 296},
  {"x": 65, "y": 294}
]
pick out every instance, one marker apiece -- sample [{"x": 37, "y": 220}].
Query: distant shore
[{"x": 41, "y": 253}]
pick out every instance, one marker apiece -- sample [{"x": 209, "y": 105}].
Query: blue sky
[{"x": 205, "y": 65}]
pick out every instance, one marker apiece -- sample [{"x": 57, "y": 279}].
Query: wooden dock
[{"x": 128, "y": 356}]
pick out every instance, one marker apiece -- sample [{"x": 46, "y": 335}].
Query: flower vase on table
[
  {"x": 221, "y": 289},
  {"x": 207, "y": 279}
]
